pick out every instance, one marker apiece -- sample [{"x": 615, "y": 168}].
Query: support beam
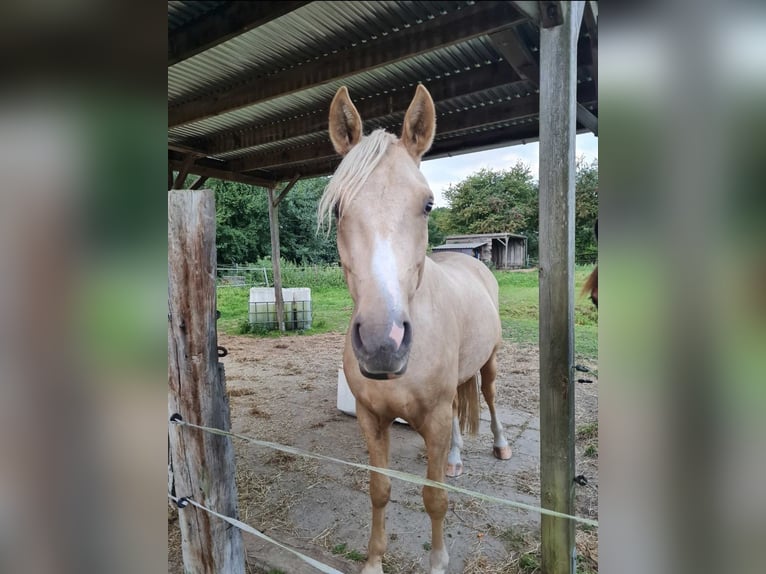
[
  {"x": 590, "y": 21},
  {"x": 321, "y": 149},
  {"x": 521, "y": 60},
  {"x": 530, "y": 9},
  {"x": 475, "y": 81},
  {"x": 202, "y": 464},
  {"x": 550, "y": 14},
  {"x": 586, "y": 118},
  {"x": 452, "y": 28},
  {"x": 232, "y": 19},
  {"x": 287, "y": 189},
  {"x": 183, "y": 171},
  {"x": 199, "y": 183},
  {"x": 217, "y": 170},
  {"x": 558, "y": 103},
  {"x": 454, "y": 146},
  {"x": 275, "y": 263}
]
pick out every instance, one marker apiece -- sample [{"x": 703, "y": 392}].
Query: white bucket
[{"x": 346, "y": 400}]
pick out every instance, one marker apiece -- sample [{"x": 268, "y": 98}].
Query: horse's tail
[
  {"x": 468, "y": 407},
  {"x": 590, "y": 287}
]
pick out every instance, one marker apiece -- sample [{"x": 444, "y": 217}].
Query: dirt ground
[{"x": 285, "y": 390}]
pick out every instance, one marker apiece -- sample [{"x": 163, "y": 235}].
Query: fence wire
[{"x": 405, "y": 476}]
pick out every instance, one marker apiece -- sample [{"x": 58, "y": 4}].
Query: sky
[{"x": 441, "y": 173}]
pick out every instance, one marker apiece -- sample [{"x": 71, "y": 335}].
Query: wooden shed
[{"x": 503, "y": 250}]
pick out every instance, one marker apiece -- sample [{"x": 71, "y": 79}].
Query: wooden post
[
  {"x": 202, "y": 464},
  {"x": 558, "y": 103},
  {"x": 274, "y": 226}
]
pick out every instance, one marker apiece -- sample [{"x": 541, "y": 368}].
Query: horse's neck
[{"x": 433, "y": 277}]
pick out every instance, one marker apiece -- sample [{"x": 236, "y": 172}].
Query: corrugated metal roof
[
  {"x": 451, "y": 246},
  {"x": 181, "y": 13},
  {"x": 312, "y": 32},
  {"x": 300, "y": 38}
]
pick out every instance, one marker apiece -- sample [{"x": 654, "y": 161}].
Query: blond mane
[{"x": 351, "y": 174}]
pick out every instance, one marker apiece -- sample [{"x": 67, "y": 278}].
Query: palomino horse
[{"x": 422, "y": 328}]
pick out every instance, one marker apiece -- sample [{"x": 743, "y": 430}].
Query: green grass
[
  {"x": 332, "y": 306},
  {"x": 519, "y": 305},
  {"x": 342, "y": 550},
  {"x": 588, "y": 431}
]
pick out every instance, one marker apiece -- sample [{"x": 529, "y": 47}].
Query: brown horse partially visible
[
  {"x": 591, "y": 283},
  {"x": 422, "y": 328}
]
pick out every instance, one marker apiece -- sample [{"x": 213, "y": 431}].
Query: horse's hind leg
[
  {"x": 500, "y": 448},
  {"x": 454, "y": 462}
]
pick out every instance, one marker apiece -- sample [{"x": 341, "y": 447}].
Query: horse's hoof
[
  {"x": 375, "y": 568},
  {"x": 502, "y": 452},
  {"x": 454, "y": 470}
]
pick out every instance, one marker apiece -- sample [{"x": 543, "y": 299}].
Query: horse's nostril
[
  {"x": 407, "y": 335},
  {"x": 356, "y": 335}
]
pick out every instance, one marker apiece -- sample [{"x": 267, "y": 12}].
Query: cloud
[{"x": 443, "y": 172}]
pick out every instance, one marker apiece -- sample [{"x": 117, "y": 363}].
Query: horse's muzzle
[{"x": 382, "y": 350}]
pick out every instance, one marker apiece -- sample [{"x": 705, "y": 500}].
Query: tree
[
  {"x": 490, "y": 201},
  {"x": 299, "y": 241},
  {"x": 438, "y": 226},
  {"x": 586, "y": 210},
  {"x": 242, "y": 221},
  {"x": 243, "y": 234}
]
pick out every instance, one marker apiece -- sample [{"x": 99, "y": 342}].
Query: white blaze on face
[{"x": 385, "y": 272}]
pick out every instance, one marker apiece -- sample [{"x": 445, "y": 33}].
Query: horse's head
[{"x": 381, "y": 203}]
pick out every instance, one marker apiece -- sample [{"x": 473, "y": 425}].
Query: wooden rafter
[
  {"x": 550, "y": 14},
  {"x": 376, "y": 106},
  {"x": 217, "y": 170},
  {"x": 183, "y": 170},
  {"x": 590, "y": 21},
  {"x": 199, "y": 182},
  {"x": 508, "y": 43},
  {"x": 453, "y": 28},
  {"x": 216, "y": 27},
  {"x": 321, "y": 148},
  {"x": 286, "y": 190}
]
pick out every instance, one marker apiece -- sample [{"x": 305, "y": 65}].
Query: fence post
[
  {"x": 202, "y": 464},
  {"x": 558, "y": 83}
]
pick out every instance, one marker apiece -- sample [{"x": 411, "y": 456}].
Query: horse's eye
[
  {"x": 429, "y": 206},
  {"x": 336, "y": 211}
]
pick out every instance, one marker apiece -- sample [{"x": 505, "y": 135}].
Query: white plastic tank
[{"x": 297, "y": 300}]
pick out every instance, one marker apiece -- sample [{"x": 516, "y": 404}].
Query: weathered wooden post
[
  {"x": 202, "y": 464},
  {"x": 274, "y": 202},
  {"x": 558, "y": 104},
  {"x": 275, "y": 263}
]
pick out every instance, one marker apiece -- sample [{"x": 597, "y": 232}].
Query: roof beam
[
  {"x": 376, "y": 106},
  {"x": 590, "y": 21},
  {"x": 442, "y": 148},
  {"x": 446, "y": 123},
  {"x": 218, "y": 170},
  {"x": 550, "y": 14},
  {"x": 531, "y": 9},
  {"x": 232, "y": 19},
  {"x": 183, "y": 171},
  {"x": 323, "y": 149},
  {"x": 453, "y": 28},
  {"x": 515, "y": 53}
]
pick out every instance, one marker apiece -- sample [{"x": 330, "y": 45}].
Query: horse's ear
[
  {"x": 419, "y": 124},
  {"x": 345, "y": 122}
]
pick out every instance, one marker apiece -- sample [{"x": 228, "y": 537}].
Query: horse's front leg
[
  {"x": 376, "y": 433},
  {"x": 437, "y": 436}
]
